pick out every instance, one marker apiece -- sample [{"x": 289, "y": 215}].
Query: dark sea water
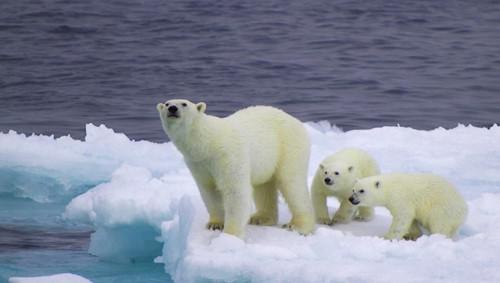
[
  {"x": 35, "y": 241},
  {"x": 358, "y": 64}
]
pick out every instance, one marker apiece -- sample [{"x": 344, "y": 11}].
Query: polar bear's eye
[
  {"x": 361, "y": 191},
  {"x": 337, "y": 173},
  {"x": 166, "y": 104},
  {"x": 326, "y": 172},
  {"x": 184, "y": 104}
]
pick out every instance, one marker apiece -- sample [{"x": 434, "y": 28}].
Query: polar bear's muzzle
[
  {"x": 173, "y": 112},
  {"x": 354, "y": 199}
]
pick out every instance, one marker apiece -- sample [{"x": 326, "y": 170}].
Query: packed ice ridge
[{"x": 144, "y": 201}]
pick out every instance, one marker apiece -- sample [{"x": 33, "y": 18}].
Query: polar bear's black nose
[
  {"x": 172, "y": 109},
  {"x": 328, "y": 181}
]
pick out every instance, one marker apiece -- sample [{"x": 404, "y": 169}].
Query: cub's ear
[
  {"x": 160, "y": 106},
  {"x": 377, "y": 184},
  {"x": 201, "y": 107},
  {"x": 321, "y": 166},
  {"x": 350, "y": 168}
]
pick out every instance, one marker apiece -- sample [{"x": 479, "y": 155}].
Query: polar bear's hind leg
[
  {"x": 442, "y": 228},
  {"x": 266, "y": 203},
  {"x": 292, "y": 182},
  {"x": 414, "y": 233}
]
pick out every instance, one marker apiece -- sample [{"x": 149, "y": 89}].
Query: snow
[
  {"x": 130, "y": 210},
  {"x": 145, "y": 206},
  {"x": 341, "y": 253},
  {"x": 56, "y": 278},
  {"x": 48, "y": 169}
]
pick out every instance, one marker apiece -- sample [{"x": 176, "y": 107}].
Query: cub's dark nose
[
  {"x": 172, "y": 109},
  {"x": 353, "y": 200},
  {"x": 328, "y": 181}
]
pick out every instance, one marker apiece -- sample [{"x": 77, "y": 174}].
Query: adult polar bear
[{"x": 259, "y": 149}]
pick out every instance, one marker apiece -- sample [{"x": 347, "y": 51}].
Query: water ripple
[{"x": 307, "y": 58}]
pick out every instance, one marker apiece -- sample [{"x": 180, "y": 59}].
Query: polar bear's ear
[
  {"x": 377, "y": 184},
  {"x": 160, "y": 106},
  {"x": 201, "y": 107},
  {"x": 350, "y": 168},
  {"x": 321, "y": 166}
]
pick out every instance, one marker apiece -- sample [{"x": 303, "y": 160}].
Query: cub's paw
[
  {"x": 262, "y": 220},
  {"x": 214, "y": 226}
]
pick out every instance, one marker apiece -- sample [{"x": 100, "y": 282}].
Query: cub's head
[
  {"x": 337, "y": 177},
  {"x": 179, "y": 113},
  {"x": 367, "y": 192}
]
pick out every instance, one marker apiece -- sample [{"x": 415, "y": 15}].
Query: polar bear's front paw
[
  {"x": 301, "y": 230},
  {"x": 323, "y": 220},
  {"x": 215, "y": 226},
  {"x": 263, "y": 220},
  {"x": 391, "y": 236},
  {"x": 288, "y": 226},
  {"x": 410, "y": 237},
  {"x": 340, "y": 220},
  {"x": 363, "y": 218}
]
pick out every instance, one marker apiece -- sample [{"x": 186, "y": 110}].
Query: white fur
[
  {"x": 344, "y": 168},
  {"x": 414, "y": 200},
  {"x": 257, "y": 150}
]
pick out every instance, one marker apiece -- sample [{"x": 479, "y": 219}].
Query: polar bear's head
[
  {"x": 367, "y": 192},
  {"x": 337, "y": 176},
  {"x": 179, "y": 114}
]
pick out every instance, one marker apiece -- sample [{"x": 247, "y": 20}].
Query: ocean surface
[{"x": 357, "y": 64}]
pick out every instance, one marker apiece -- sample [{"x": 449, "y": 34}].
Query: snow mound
[
  {"x": 48, "y": 169},
  {"x": 129, "y": 209},
  {"x": 56, "y": 278},
  {"x": 140, "y": 214}
]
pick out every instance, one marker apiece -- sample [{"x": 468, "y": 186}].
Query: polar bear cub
[
  {"x": 413, "y": 200},
  {"x": 336, "y": 177},
  {"x": 255, "y": 151}
]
